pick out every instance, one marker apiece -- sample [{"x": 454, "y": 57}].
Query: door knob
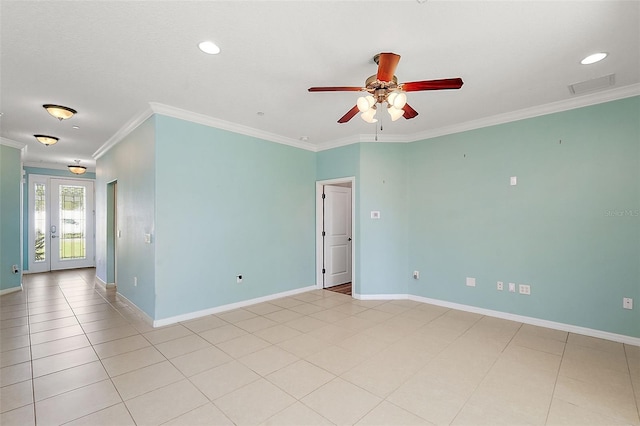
[{"x": 349, "y": 239}]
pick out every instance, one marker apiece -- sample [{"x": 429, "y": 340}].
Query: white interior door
[
  {"x": 337, "y": 235},
  {"x": 61, "y": 225}
]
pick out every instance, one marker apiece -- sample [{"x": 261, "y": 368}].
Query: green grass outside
[{"x": 72, "y": 248}]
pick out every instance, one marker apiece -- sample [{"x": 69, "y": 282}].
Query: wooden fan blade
[
  {"x": 336, "y": 89},
  {"x": 409, "y": 112},
  {"x": 348, "y": 116},
  {"x": 387, "y": 63},
  {"x": 447, "y": 83}
]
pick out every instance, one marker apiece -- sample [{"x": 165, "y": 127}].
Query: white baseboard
[
  {"x": 10, "y": 290},
  {"x": 621, "y": 338},
  {"x": 142, "y": 314},
  {"x": 104, "y": 284},
  {"x": 223, "y": 308},
  {"x": 380, "y": 296}
]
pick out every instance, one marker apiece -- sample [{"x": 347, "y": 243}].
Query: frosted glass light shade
[
  {"x": 60, "y": 112},
  {"x": 368, "y": 116},
  {"x": 365, "y": 103},
  {"x": 395, "y": 113},
  {"x": 46, "y": 140}
]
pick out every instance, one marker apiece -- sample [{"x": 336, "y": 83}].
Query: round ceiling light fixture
[
  {"x": 60, "y": 112},
  {"x": 46, "y": 139},
  {"x": 209, "y": 47},
  {"x": 77, "y": 169},
  {"x": 592, "y": 59}
]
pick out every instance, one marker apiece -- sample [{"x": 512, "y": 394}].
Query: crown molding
[
  {"x": 53, "y": 166},
  {"x": 12, "y": 143},
  {"x": 537, "y": 111},
  {"x": 123, "y": 132},
  {"x": 227, "y": 125},
  {"x": 551, "y": 108},
  {"x": 181, "y": 114}
]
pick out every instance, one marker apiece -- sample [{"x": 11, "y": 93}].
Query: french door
[{"x": 61, "y": 223}]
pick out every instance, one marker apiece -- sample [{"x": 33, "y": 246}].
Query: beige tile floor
[{"x": 74, "y": 354}]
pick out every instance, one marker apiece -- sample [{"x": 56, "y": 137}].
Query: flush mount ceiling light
[
  {"x": 46, "y": 140},
  {"x": 77, "y": 169},
  {"x": 209, "y": 47},
  {"x": 592, "y": 59},
  {"x": 60, "y": 112}
]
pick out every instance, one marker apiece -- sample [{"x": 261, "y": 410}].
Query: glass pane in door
[
  {"x": 40, "y": 223},
  {"x": 72, "y": 229}
]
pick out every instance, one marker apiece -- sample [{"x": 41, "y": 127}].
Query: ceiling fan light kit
[{"x": 383, "y": 87}]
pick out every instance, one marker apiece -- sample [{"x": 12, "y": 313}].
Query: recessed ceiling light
[
  {"x": 304, "y": 138},
  {"x": 209, "y": 47},
  {"x": 75, "y": 127},
  {"x": 592, "y": 59},
  {"x": 260, "y": 113}
]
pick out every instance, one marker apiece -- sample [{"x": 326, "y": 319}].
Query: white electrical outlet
[
  {"x": 512, "y": 287},
  {"x": 524, "y": 289},
  {"x": 513, "y": 180},
  {"x": 500, "y": 286},
  {"x": 238, "y": 279},
  {"x": 416, "y": 275},
  {"x": 471, "y": 282},
  {"x": 627, "y": 303}
]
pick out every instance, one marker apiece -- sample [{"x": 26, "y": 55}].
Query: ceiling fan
[{"x": 383, "y": 87}]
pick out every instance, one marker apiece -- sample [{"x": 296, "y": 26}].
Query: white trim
[
  {"x": 381, "y": 296},
  {"x": 319, "y": 220},
  {"x": 12, "y": 143},
  {"x": 56, "y": 166},
  {"x": 621, "y": 338},
  {"x": 167, "y": 110},
  {"x": 11, "y": 290},
  {"x": 104, "y": 284},
  {"x": 129, "y": 127},
  {"x": 230, "y": 306},
  {"x": 227, "y": 125},
  {"x": 142, "y": 314},
  {"x": 536, "y": 111}
]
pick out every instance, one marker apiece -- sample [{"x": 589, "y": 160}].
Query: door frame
[
  {"x": 30, "y": 225},
  {"x": 320, "y": 220}
]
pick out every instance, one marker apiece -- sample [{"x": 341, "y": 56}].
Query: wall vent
[{"x": 593, "y": 85}]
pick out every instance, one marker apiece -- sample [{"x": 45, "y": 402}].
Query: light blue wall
[
  {"x": 570, "y": 228},
  {"x": 10, "y": 183},
  {"x": 229, "y": 204},
  {"x": 221, "y": 204},
  {"x": 383, "y": 188},
  {"x": 132, "y": 163},
  {"x": 25, "y": 213},
  {"x": 340, "y": 163}
]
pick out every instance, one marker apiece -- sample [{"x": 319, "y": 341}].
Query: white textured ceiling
[{"x": 110, "y": 59}]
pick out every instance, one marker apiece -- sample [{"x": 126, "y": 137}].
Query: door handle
[
  {"x": 54, "y": 236},
  {"x": 349, "y": 239}
]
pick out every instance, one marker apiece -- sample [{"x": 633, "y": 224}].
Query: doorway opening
[{"x": 335, "y": 224}]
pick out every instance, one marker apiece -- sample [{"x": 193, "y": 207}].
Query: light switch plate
[
  {"x": 513, "y": 180},
  {"x": 627, "y": 303},
  {"x": 512, "y": 287},
  {"x": 471, "y": 282}
]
